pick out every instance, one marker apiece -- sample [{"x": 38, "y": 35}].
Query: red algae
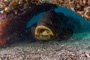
[{"x": 3, "y": 32}]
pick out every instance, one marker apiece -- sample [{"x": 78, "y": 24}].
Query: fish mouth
[{"x": 43, "y": 33}]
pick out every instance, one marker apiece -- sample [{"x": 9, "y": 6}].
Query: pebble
[
  {"x": 88, "y": 55},
  {"x": 69, "y": 59},
  {"x": 6, "y": 8},
  {"x": 1, "y": 11},
  {"x": 0, "y": 59}
]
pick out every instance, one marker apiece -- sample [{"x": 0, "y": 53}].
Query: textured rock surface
[
  {"x": 13, "y": 19},
  {"x": 74, "y": 49},
  {"x": 80, "y": 7}
]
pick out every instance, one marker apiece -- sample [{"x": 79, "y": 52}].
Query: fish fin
[
  {"x": 66, "y": 33},
  {"x": 31, "y": 34},
  {"x": 33, "y": 30}
]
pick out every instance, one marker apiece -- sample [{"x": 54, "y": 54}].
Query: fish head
[{"x": 44, "y": 33}]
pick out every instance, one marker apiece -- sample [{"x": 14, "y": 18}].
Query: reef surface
[{"x": 75, "y": 48}]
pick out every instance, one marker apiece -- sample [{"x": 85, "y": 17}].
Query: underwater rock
[
  {"x": 50, "y": 26},
  {"x": 14, "y": 17},
  {"x": 77, "y": 6},
  {"x": 87, "y": 14}
]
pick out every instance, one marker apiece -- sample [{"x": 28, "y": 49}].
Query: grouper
[{"x": 51, "y": 25}]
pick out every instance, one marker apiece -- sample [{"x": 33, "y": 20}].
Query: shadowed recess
[{"x": 80, "y": 26}]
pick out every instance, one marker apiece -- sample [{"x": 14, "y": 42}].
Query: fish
[{"x": 51, "y": 26}]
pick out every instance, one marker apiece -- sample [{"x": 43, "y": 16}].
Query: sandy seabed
[{"x": 73, "y": 49}]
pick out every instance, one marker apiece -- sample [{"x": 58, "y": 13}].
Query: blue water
[{"x": 83, "y": 31}]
